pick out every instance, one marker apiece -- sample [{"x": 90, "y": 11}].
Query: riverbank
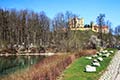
[
  {"x": 76, "y": 71},
  {"x": 49, "y": 68}
]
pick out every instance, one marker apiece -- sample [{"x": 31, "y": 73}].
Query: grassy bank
[
  {"x": 47, "y": 69},
  {"x": 76, "y": 70}
]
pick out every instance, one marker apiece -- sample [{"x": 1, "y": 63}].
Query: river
[{"x": 10, "y": 64}]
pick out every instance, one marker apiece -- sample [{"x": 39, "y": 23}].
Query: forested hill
[{"x": 26, "y": 28}]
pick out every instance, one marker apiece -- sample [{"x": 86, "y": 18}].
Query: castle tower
[
  {"x": 76, "y": 23},
  {"x": 81, "y": 22},
  {"x": 92, "y": 25}
]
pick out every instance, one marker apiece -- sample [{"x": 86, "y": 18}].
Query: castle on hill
[{"x": 78, "y": 24}]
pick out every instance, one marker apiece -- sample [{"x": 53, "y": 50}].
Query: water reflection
[{"x": 12, "y": 63}]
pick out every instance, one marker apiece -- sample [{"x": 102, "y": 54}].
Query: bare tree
[
  {"x": 101, "y": 23},
  {"x": 108, "y": 23},
  {"x": 117, "y": 33}
]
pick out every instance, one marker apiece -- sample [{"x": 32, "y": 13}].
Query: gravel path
[{"x": 113, "y": 70}]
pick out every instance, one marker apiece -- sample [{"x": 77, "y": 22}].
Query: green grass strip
[{"x": 76, "y": 71}]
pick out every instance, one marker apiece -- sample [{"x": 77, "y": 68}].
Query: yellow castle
[{"x": 78, "y": 24}]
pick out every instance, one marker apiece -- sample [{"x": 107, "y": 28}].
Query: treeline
[
  {"x": 25, "y": 27},
  {"x": 28, "y": 27}
]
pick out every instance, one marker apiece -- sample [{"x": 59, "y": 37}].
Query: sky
[{"x": 88, "y": 9}]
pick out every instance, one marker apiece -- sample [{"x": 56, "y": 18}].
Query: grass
[{"x": 76, "y": 71}]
